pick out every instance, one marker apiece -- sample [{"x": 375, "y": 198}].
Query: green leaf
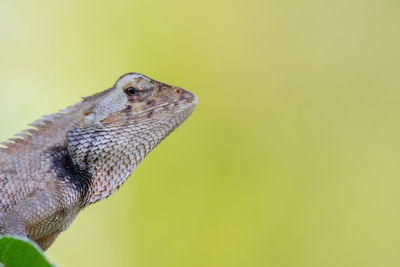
[{"x": 21, "y": 252}]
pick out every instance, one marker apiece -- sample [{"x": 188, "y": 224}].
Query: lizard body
[{"x": 74, "y": 158}]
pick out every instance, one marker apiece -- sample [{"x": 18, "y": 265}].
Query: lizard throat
[{"x": 110, "y": 155}]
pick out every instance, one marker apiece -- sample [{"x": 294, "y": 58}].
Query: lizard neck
[{"x": 110, "y": 155}]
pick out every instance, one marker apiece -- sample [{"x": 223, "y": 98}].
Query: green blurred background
[{"x": 291, "y": 157}]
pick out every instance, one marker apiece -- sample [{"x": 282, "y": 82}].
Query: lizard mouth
[
  {"x": 188, "y": 104},
  {"x": 192, "y": 105}
]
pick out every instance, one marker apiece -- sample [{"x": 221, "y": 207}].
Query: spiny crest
[{"x": 43, "y": 130}]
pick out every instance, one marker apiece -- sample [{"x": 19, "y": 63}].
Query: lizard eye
[{"x": 131, "y": 90}]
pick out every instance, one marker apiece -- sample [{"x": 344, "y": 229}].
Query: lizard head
[
  {"x": 136, "y": 99},
  {"x": 121, "y": 125}
]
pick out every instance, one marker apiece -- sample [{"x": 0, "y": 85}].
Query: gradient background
[{"x": 291, "y": 157}]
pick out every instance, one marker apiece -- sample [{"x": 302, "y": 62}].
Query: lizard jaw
[{"x": 191, "y": 106}]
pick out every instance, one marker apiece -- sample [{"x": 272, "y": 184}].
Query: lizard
[{"x": 74, "y": 158}]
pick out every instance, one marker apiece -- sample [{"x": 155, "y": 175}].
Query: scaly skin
[{"x": 72, "y": 159}]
